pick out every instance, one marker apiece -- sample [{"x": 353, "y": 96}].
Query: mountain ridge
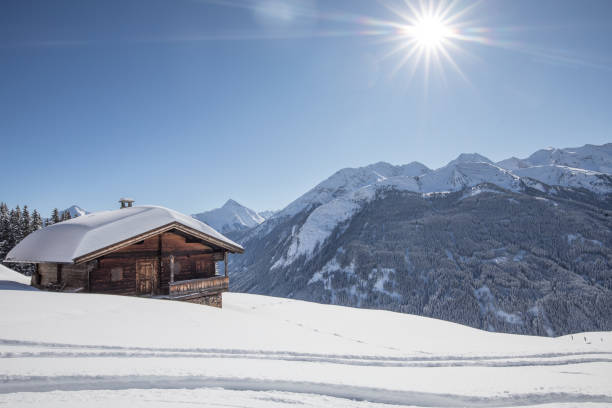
[{"x": 391, "y": 237}]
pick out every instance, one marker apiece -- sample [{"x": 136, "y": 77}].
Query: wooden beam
[
  {"x": 225, "y": 262},
  {"x": 171, "y": 268},
  {"x": 160, "y": 264}
]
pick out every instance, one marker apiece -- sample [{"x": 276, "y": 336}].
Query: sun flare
[{"x": 429, "y": 32}]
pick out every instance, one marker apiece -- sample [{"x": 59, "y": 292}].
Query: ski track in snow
[
  {"x": 87, "y": 351},
  {"x": 374, "y": 395},
  {"x": 18, "y": 384},
  {"x": 307, "y": 354}
]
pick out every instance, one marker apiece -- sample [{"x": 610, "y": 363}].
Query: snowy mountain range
[
  {"x": 232, "y": 216},
  {"x": 453, "y": 242},
  {"x": 588, "y": 167}
]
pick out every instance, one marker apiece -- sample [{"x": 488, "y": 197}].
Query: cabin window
[{"x": 116, "y": 274}]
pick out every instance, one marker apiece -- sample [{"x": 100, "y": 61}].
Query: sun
[{"x": 429, "y": 32}]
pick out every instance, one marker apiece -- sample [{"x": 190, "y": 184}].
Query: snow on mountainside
[
  {"x": 469, "y": 158},
  {"x": 231, "y": 217},
  {"x": 512, "y": 163},
  {"x": 266, "y": 214},
  {"x": 587, "y": 157},
  {"x": 458, "y": 175},
  {"x": 399, "y": 237},
  {"x": 76, "y": 211},
  {"x": 557, "y": 175},
  {"x": 338, "y": 197},
  {"x": 76, "y": 350},
  {"x": 455, "y": 176},
  {"x": 467, "y": 170},
  {"x": 349, "y": 180},
  {"x": 339, "y": 193}
]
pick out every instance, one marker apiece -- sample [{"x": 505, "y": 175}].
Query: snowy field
[{"x": 76, "y": 350}]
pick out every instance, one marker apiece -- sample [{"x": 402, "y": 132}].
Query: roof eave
[
  {"x": 164, "y": 228},
  {"x": 22, "y": 261}
]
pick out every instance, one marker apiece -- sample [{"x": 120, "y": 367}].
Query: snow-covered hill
[
  {"x": 75, "y": 350},
  {"x": 9, "y": 277},
  {"x": 231, "y": 217}
]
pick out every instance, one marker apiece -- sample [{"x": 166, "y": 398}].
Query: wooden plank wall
[
  {"x": 123, "y": 262},
  {"x": 187, "y": 255},
  {"x": 190, "y": 263},
  {"x": 70, "y": 276}
]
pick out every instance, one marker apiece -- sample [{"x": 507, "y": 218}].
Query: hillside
[
  {"x": 99, "y": 350},
  {"x": 522, "y": 246},
  {"x": 12, "y": 279}
]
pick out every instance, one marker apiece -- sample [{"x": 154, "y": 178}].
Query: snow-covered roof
[{"x": 69, "y": 240}]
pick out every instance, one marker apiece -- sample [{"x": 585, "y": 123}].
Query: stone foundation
[{"x": 210, "y": 300}]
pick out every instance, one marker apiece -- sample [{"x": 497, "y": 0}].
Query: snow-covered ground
[{"x": 60, "y": 349}]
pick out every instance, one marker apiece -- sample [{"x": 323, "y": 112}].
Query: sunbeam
[{"x": 429, "y": 35}]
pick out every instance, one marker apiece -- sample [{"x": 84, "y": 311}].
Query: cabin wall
[
  {"x": 61, "y": 275},
  {"x": 189, "y": 262},
  {"x": 114, "y": 275},
  {"x": 117, "y": 272}
]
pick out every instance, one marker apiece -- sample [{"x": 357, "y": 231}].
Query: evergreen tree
[
  {"x": 15, "y": 225},
  {"x": 4, "y": 230},
  {"x": 55, "y": 217},
  {"x": 26, "y": 222},
  {"x": 37, "y": 222},
  {"x": 66, "y": 215},
  {"x": 15, "y": 234}
]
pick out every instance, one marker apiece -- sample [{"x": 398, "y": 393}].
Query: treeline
[{"x": 17, "y": 223}]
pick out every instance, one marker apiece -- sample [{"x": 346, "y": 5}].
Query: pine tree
[
  {"x": 55, "y": 217},
  {"x": 4, "y": 230},
  {"x": 15, "y": 234},
  {"x": 37, "y": 222},
  {"x": 26, "y": 222},
  {"x": 66, "y": 215}
]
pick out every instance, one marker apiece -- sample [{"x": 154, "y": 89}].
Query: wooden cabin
[{"x": 136, "y": 250}]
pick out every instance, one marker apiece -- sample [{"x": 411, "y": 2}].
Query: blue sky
[{"x": 186, "y": 103}]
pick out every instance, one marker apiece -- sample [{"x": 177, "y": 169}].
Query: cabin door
[{"x": 145, "y": 277}]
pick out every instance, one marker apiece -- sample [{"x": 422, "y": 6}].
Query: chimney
[{"x": 126, "y": 202}]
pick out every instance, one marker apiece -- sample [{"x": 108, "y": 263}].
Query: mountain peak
[
  {"x": 231, "y": 203},
  {"x": 76, "y": 211},
  {"x": 513, "y": 163},
  {"x": 470, "y": 158},
  {"x": 232, "y": 216}
]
